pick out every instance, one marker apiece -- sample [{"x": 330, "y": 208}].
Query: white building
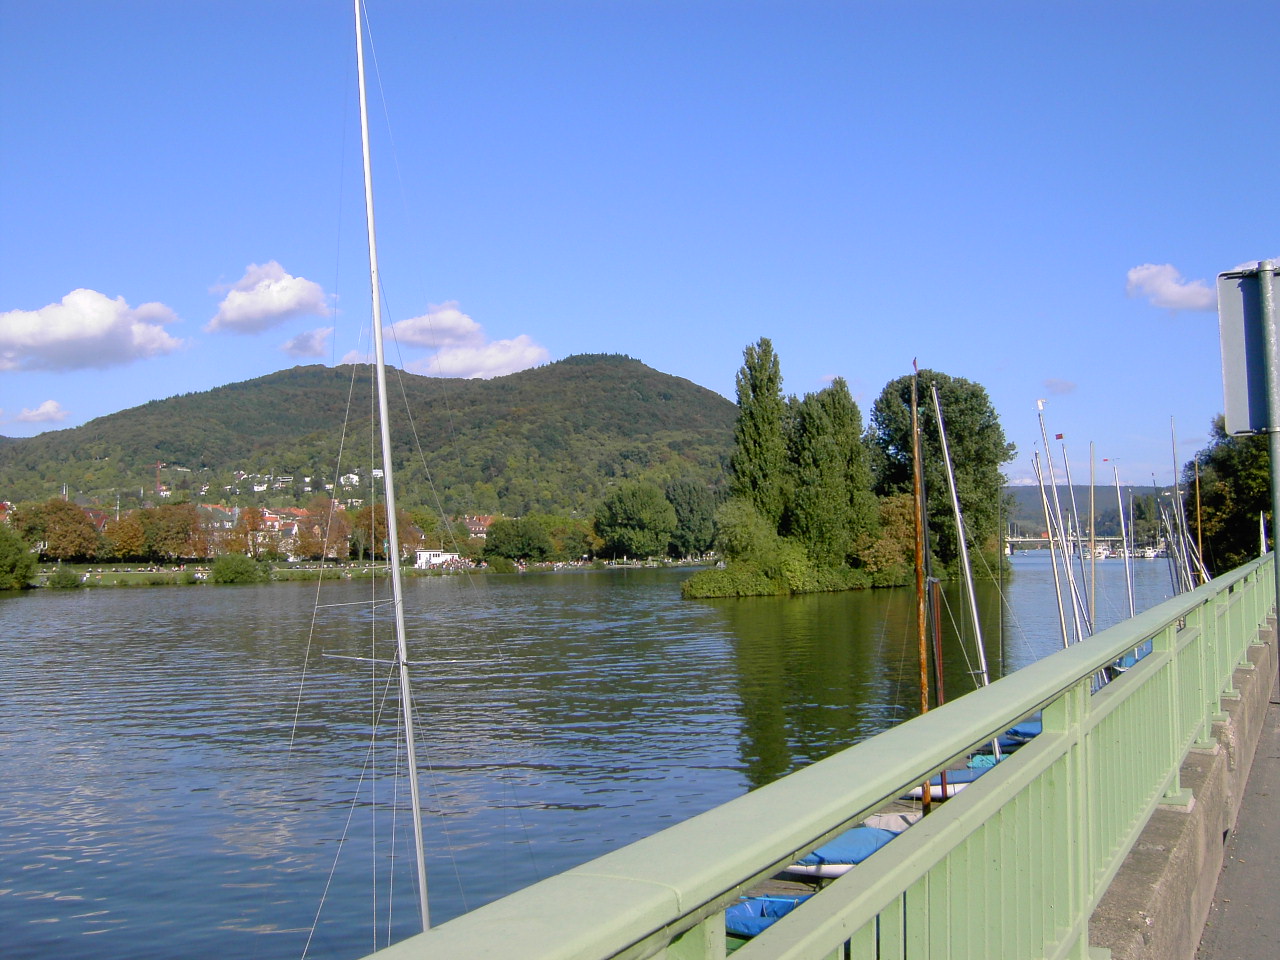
[{"x": 435, "y": 558}]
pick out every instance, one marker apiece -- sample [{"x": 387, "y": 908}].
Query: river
[{"x": 158, "y": 798}]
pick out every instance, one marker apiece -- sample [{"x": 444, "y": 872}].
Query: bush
[
  {"x": 739, "y": 580},
  {"x": 64, "y": 578},
  {"x": 237, "y": 568},
  {"x": 500, "y": 565}
]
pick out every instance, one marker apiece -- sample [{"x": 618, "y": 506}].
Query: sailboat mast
[
  {"x": 393, "y": 534},
  {"x": 917, "y": 509},
  {"x": 962, "y": 542}
]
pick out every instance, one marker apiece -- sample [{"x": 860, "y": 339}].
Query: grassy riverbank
[{"x": 88, "y": 575}]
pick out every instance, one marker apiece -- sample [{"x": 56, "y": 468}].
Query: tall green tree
[
  {"x": 978, "y": 451},
  {"x": 636, "y": 520},
  {"x": 1235, "y": 489},
  {"x": 832, "y": 506},
  {"x": 695, "y": 507},
  {"x": 759, "y": 460}
]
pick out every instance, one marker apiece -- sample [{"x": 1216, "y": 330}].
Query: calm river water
[{"x": 157, "y": 798}]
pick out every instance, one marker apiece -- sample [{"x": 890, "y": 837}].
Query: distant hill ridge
[{"x": 552, "y": 438}]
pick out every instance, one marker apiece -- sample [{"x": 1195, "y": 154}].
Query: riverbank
[{"x": 73, "y": 576}]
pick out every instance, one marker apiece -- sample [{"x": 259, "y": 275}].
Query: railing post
[
  {"x": 706, "y": 941},
  {"x": 1166, "y": 642},
  {"x": 1067, "y": 716},
  {"x": 1207, "y": 704}
]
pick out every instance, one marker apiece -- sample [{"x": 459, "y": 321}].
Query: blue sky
[{"x": 1035, "y": 196}]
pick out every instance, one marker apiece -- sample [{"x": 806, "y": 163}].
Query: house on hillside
[
  {"x": 478, "y": 526},
  {"x": 99, "y": 517}
]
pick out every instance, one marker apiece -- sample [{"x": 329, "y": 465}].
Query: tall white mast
[
  {"x": 393, "y": 534},
  {"x": 983, "y": 675}
]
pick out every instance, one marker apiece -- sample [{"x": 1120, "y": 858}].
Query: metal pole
[
  {"x": 1266, "y": 271},
  {"x": 393, "y": 537}
]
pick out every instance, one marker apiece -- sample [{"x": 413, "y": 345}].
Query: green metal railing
[{"x": 1012, "y": 867}]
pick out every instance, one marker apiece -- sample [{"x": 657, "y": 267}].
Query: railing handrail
[{"x": 634, "y": 901}]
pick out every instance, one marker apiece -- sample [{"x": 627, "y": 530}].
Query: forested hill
[
  {"x": 552, "y": 439},
  {"x": 1026, "y": 517}
]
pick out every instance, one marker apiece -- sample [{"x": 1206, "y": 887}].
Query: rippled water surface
[{"x": 171, "y": 787}]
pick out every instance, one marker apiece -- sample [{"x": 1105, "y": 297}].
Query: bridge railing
[{"x": 1011, "y": 867}]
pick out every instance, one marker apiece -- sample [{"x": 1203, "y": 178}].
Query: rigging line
[
  {"x": 346, "y": 829},
  {"x": 444, "y": 389},
  {"x": 1010, "y": 616},
  {"x": 354, "y": 603},
  {"x": 311, "y": 632},
  {"x": 422, "y": 457},
  {"x": 425, "y": 760},
  {"x": 957, "y": 628}
]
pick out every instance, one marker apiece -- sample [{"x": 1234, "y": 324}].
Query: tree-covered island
[{"x": 816, "y": 503}]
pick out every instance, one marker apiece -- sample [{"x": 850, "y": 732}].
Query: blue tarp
[
  {"x": 1027, "y": 729},
  {"x": 752, "y": 915},
  {"x": 852, "y": 846}
]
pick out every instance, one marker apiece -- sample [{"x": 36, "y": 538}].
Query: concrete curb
[{"x": 1157, "y": 905}]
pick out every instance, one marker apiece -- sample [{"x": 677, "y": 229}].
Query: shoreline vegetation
[{"x": 92, "y": 575}]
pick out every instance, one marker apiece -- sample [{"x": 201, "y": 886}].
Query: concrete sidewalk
[{"x": 1244, "y": 920}]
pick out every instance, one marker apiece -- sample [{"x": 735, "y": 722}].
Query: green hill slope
[{"x": 549, "y": 439}]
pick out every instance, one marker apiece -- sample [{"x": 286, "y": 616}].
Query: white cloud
[
  {"x": 266, "y": 296},
  {"x": 462, "y": 349},
  {"x": 48, "y": 412},
  {"x": 357, "y": 356},
  {"x": 87, "y": 329},
  {"x": 1164, "y": 286},
  {"x": 1054, "y": 385},
  {"x": 312, "y": 343},
  {"x": 495, "y": 359},
  {"x": 442, "y": 327}
]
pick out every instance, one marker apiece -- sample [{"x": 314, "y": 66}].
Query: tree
[
  {"x": 636, "y": 520},
  {"x": 324, "y": 532},
  {"x": 742, "y": 534},
  {"x": 521, "y": 539},
  {"x": 17, "y": 562},
  {"x": 760, "y": 451},
  {"x": 978, "y": 451},
  {"x": 832, "y": 505},
  {"x": 695, "y": 507},
  {"x": 571, "y": 538},
  {"x": 174, "y": 531},
  {"x": 369, "y": 531},
  {"x": 124, "y": 539},
  {"x": 64, "y": 529},
  {"x": 1235, "y": 489},
  {"x": 246, "y": 535}
]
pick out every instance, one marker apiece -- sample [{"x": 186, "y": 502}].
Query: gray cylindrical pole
[{"x": 1266, "y": 271}]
